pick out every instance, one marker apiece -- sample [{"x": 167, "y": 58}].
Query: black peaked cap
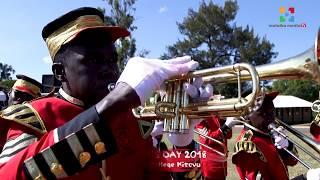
[{"x": 66, "y": 18}]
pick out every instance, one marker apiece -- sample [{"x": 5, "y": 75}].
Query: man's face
[
  {"x": 89, "y": 70},
  {"x": 263, "y": 117},
  {"x": 18, "y": 97}
]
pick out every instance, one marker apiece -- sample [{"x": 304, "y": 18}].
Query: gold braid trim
[
  {"x": 38, "y": 117},
  {"x": 248, "y": 147},
  {"x": 145, "y": 128},
  {"x": 66, "y": 33},
  {"x": 35, "y": 90},
  {"x": 245, "y": 144},
  {"x": 23, "y": 115},
  {"x": 316, "y": 120}
]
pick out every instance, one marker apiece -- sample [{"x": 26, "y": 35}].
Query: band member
[
  {"x": 68, "y": 136},
  {"x": 214, "y": 166},
  {"x": 24, "y": 89},
  {"x": 257, "y": 154},
  {"x": 315, "y": 128}
]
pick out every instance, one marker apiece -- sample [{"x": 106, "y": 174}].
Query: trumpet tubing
[
  {"x": 176, "y": 110},
  {"x": 312, "y": 143},
  {"x": 303, "y": 66}
]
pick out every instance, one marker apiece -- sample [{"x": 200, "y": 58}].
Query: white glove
[
  {"x": 154, "y": 142},
  {"x": 182, "y": 140},
  {"x": 146, "y": 75},
  {"x": 196, "y": 90},
  {"x": 279, "y": 141},
  {"x": 313, "y": 174},
  {"x": 231, "y": 121},
  {"x": 157, "y": 129}
]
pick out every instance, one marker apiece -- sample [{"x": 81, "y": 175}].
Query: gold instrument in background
[{"x": 310, "y": 142}]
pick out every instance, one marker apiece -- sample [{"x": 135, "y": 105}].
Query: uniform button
[
  {"x": 84, "y": 158},
  {"x": 56, "y": 169},
  {"x": 100, "y": 147}
]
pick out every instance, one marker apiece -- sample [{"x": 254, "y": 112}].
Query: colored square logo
[{"x": 286, "y": 14}]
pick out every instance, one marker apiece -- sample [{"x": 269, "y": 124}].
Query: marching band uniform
[
  {"x": 58, "y": 137},
  {"x": 93, "y": 142},
  {"x": 256, "y": 154},
  {"x": 24, "y": 89},
  {"x": 315, "y": 128},
  {"x": 214, "y": 166},
  {"x": 27, "y": 85}
]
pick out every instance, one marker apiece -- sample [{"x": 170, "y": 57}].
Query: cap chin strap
[{"x": 70, "y": 99}]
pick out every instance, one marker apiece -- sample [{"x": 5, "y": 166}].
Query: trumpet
[{"x": 176, "y": 109}]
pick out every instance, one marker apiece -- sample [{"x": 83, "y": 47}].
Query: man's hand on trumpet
[
  {"x": 198, "y": 92},
  {"x": 146, "y": 75}
]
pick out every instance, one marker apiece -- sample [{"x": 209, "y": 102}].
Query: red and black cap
[
  {"x": 27, "y": 85},
  {"x": 67, "y": 27}
]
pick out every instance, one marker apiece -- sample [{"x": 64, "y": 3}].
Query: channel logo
[
  {"x": 286, "y": 14},
  {"x": 287, "y": 19}
]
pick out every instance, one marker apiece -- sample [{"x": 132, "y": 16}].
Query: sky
[{"x": 21, "y": 44}]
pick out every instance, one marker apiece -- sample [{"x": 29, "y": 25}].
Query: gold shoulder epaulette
[
  {"x": 316, "y": 120},
  {"x": 24, "y": 115},
  {"x": 245, "y": 144}
]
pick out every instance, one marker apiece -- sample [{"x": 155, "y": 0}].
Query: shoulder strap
[{"x": 25, "y": 115}]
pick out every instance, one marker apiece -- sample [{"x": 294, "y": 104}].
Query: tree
[
  {"x": 7, "y": 84},
  {"x": 300, "y": 88},
  {"x": 212, "y": 40},
  {"x": 122, "y": 15},
  {"x": 6, "y": 71}
]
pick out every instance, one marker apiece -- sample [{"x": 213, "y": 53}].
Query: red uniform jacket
[
  {"x": 315, "y": 130},
  {"x": 214, "y": 165},
  {"x": 53, "y": 113},
  {"x": 256, "y": 154}
]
